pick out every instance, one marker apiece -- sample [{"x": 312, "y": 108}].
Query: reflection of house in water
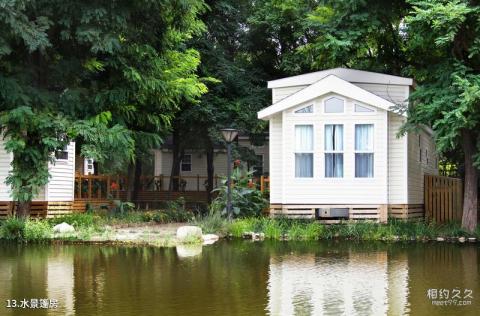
[
  {"x": 60, "y": 281},
  {"x": 37, "y": 272},
  {"x": 351, "y": 284}
]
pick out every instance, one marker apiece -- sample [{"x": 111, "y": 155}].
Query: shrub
[
  {"x": 13, "y": 228},
  {"x": 247, "y": 200},
  {"x": 37, "y": 230},
  {"x": 120, "y": 207},
  {"x": 213, "y": 222},
  {"x": 18, "y": 229},
  {"x": 77, "y": 220}
]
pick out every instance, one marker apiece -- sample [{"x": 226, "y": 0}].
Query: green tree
[
  {"x": 107, "y": 74},
  {"x": 237, "y": 92},
  {"x": 446, "y": 34}
]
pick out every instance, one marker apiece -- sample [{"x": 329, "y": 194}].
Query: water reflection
[
  {"x": 343, "y": 283},
  {"x": 239, "y": 278}
]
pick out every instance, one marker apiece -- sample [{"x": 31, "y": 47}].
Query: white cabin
[
  {"x": 60, "y": 187},
  {"x": 333, "y": 141}
]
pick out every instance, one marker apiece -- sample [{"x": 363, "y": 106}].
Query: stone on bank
[
  {"x": 63, "y": 228},
  {"x": 189, "y": 233}
]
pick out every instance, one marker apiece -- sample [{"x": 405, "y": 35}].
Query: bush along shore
[
  {"x": 394, "y": 230},
  {"x": 159, "y": 228},
  {"x": 138, "y": 227}
]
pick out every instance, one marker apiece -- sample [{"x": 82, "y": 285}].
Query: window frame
[
  {"x": 325, "y": 152},
  {"x": 312, "y": 152},
  {"x": 62, "y": 160},
  {"x": 186, "y": 164},
  {"x": 324, "y": 100},
  {"x": 304, "y": 106},
  {"x": 355, "y": 151},
  {"x": 374, "y": 110}
]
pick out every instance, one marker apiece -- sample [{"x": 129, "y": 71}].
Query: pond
[{"x": 242, "y": 278}]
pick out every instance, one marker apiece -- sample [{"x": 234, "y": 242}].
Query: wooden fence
[
  {"x": 100, "y": 187},
  {"x": 443, "y": 198}
]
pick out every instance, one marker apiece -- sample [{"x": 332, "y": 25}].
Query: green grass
[
  {"x": 291, "y": 229},
  {"x": 212, "y": 223},
  {"x": 86, "y": 224},
  {"x": 22, "y": 230},
  {"x": 89, "y": 224}
]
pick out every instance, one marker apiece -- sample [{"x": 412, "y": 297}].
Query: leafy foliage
[
  {"x": 247, "y": 200},
  {"x": 110, "y": 75}
]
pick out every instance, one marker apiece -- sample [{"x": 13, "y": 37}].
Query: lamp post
[{"x": 229, "y": 135}]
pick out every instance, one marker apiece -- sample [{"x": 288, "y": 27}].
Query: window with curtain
[
  {"x": 304, "y": 151},
  {"x": 334, "y": 151},
  {"x": 364, "y": 150}
]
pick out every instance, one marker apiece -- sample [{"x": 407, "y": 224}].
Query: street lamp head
[{"x": 229, "y": 134}]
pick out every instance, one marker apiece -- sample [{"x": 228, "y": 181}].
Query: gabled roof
[
  {"x": 350, "y": 75},
  {"x": 329, "y": 84}
]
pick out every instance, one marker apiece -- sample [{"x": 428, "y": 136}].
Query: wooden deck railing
[{"x": 100, "y": 187}]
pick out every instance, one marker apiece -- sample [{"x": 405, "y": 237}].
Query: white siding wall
[
  {"x": 259, "y": 150},
  {"x": 5, "y": 160},
  {"x": 164, "y": 160},
  {"x": 397, "y": 188},
  {"x": 61, "y": 184},
  {"x": 416, "y": 168},
  {"x": 276, "y": 163},
  {"x": 281, "y": 93},
  {"x": 321, "y": 190},
  {"x": 393, "y": 93}
]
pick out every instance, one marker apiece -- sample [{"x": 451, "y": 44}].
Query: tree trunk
[
  {"x": 23, "y": 209},
  {"x": 130, "y": 182},
  {"x": 176, "y": 159},
  {"x": 210, "y": 172},
  {"x": 137, "y": 180},
  {"x": 469, "y": 218}
]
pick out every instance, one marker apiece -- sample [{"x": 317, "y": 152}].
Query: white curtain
[
  {"x": 333, "y": 165},
  {"x": 333, "y": 137},
  {"x": 364, "y": 137},
  {"x": 333, "y": 143},
  {"x": 364, "y": 143},
  {"x": 304, "y": 165},
  {"x": 364, "y": 165},
  {"x": 304, "y": 151},
  {"x": 303, "y": 138}
]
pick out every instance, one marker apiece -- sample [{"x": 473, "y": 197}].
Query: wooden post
[
  {"x": 161, "y": 182},
  {"x": 198, "y": 183},
  {"x": 99, "y": 188},
  {"x": 89, "y": 194},
  {"x": 108, "y": 186},
  {"x": 79, "y": 187},
  {"x": 262, "y": 184},
  {"x": 118, "y": 188},
  {"x": 383, "y": 209}
]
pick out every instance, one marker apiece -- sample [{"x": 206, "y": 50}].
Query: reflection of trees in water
[
  {"x": 147, "y": 280},
  {"x": 443, "y": 266},
  {"x": 232, "y": 277},
  {"x": 36, "y": 271}
]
